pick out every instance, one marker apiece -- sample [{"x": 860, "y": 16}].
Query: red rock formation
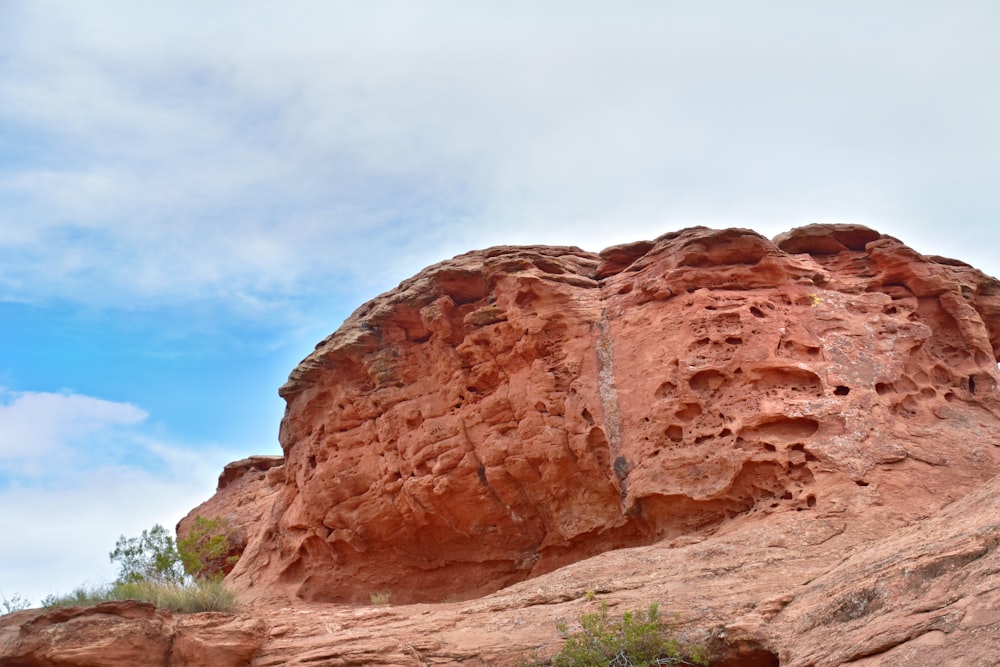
[
  {"x": 513, "y": 410},
  {"x": 127, "y": 634},
  {"x": 804, "y": 434},
  {"x": 791, "y": 588}
]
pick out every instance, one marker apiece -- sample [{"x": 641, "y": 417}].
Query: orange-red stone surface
[{"x": 516, "y": 409}]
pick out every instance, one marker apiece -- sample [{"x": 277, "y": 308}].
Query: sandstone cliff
[
  {"x": 513, "y": 410},
  {"x": 791, "y": 443}
]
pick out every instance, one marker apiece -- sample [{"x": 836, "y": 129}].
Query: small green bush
[
  {"x": 634, "y": 640},
  {"x": 211, "y": 547}
]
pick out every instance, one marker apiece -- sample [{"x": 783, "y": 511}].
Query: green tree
[{"x": 151, "y": 557}]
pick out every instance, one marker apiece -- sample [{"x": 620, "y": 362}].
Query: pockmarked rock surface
[
  {"x": 792, "y": 444},
  {"x": 513, "y": 410}
]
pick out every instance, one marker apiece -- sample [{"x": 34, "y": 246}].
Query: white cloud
[
  {"x": 59, "y": 537},
  {"x": 248, "y": 157},
  {"x": 39, "y": 430},
  {"x": 77, "y": 472}
]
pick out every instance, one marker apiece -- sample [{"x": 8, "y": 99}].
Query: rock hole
[
  {"x": 524, "y": 298},
  {"x": 734, "y": 340},
  {"x": 625, "y": 289},
  {"x": 688, "y": 412},
  {"x": 703, "y": 439},
  {"x": 861, "y": 482},
  {"x": 788, "y": 378},
  {"x": 743, "y": 654},
  {"x": 784, "y": 429},
  {"x": 707, "y": 381},
  {"x": 949, "y": 397},
  {"x": 881, "y": 388},
  {"x": 841, "y": 390},
  {"x": 666, "y": 389},
  {"x": 768, "y": 447},
  {"x": 972, "y": 385},
  {"x": 802, "y": 448},
  {"x": 811, "y": 500},
  {"x": 675, "y": 432},
  {"x": 725, "y": 433},
  {"x": 312, "y": 462},
  {"x": 756, "y": 312},
  {"x": 587, "y": 417}
]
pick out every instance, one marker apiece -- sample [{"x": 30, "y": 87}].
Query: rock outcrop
[
  {"x": 513, "y": 410},
  {"x": 127, "y": 633},
  {"x": 792, "y": 444}
]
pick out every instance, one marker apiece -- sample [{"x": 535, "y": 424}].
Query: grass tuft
[{"x": 199, "y": 596}]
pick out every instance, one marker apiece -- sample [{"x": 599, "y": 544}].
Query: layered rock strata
[
  {"x": 515, "y": 409},
  {"x": 127, "y": 633}
]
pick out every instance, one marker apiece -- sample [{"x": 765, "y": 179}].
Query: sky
[{"x": 192, "y": 195}]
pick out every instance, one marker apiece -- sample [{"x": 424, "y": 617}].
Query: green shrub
[
  {"x": 634, "y": 640},
  {"x": 211, "y": 547},
  {"x": 381, "y": 599}
]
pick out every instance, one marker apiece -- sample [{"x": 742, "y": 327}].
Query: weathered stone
[
  {"x": 127, "y": 634},
  {"x": 791, "y": 445},
  {"x": 512, "y": 410}
]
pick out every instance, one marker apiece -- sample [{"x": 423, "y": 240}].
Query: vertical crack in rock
[{"x": 609, "y": 398}]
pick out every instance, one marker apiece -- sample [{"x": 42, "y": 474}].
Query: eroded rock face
[
  {"x": 513, "y": 410},
  {"x": 803, "y": 434},
  {"x": 127, "y": 633}
]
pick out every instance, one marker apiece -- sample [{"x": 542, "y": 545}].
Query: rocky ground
[{"x": 795, "y": 589}]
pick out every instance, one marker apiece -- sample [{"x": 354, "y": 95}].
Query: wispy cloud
[
  {"x": 178, "y": 154},
  {"x": 41, "y": 431}
]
